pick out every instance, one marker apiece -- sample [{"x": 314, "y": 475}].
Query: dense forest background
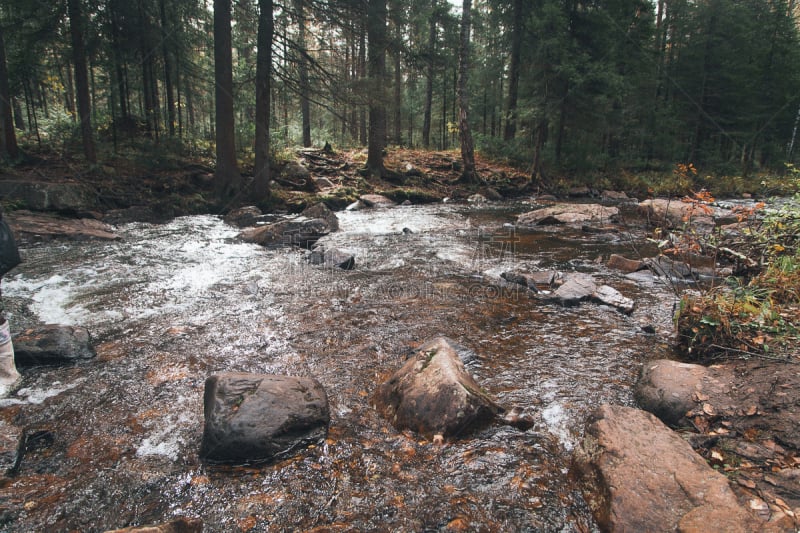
[{"x": 559, "y": 87}]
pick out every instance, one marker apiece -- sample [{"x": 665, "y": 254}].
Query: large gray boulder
[
  {"x": 638, "y": 475},
  {"x": 256, "y": 418},
  {"x": 568, "y": 214},
  {"x": 434, "y": 395},
  {"x": 53, "y": 344}
]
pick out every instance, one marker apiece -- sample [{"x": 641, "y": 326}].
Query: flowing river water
[{"x": 114, "y": 441}]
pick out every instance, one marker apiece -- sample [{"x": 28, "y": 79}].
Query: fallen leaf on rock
[
  {"x": 757, "y": 504},
  {"x": 709, "y": 409},
  {"x": 744, "y": 482},
  {"x": 752, "y": 410},
  {"x": 699, "y": 396}
]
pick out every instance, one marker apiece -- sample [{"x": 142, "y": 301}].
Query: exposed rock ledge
[
  {"x": 41, "y": 226},
  {"x": 638, "y": 475}
]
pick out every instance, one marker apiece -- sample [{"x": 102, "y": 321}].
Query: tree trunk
[
  {"x": 81, "y": 79},
  {"x": 362, "y": 70},
  {"x": 305, "y": 106},
  {"x": 165, "y": 37},
  {"x": 513, "y": 72},
  {"x": 18, "y": 119},
  {"x": 426, "y": 121},
  {"x": 376, "y": 37},
  {"x": 227, "y": 172},
  {"x": 465, "y": 135},
  {"x": 266, "y": 29},
  {"x": 8, "y": 137}
]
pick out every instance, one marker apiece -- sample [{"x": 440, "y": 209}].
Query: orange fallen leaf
[
  {"x": 752, "y": 410},
  {"x": 699, "y": 396},
  {"x": 709, "y": 409}
]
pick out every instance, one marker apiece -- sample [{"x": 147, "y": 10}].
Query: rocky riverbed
[{"x": 115, "y": 441}]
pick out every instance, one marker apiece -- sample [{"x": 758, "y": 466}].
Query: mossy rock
[{"x": 415, "y": 196}]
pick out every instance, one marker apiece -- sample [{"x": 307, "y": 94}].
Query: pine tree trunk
[
  {"x": 376, "y": 37},
  {"x": 513, "y": 72},
  {"x": 305, "y": 89},
  {"x": 426, "y": 121},
  {"x": 263, "y": 93},
  {"x": 362, "y": 71},
  {"x": 465, "y": 135},
  {"x": 8, "y": 137},
  {"x": 227, "y": 172},
  {"x": 81, "y": 79},
  {"x": 165, "y": 37}
]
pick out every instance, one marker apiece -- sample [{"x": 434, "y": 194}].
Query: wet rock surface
[
  {"x": 42, "y": 226},
  {"x": 305, "y": 230},
  {"x": 12, "y": 448},
  {"x": 432, "y": 394},
  {"x": 178, "y": 525},
  {"x": 748, "y": 396},
  {"x": 638, "y": 475},
  {"x": 53, "y": 344},
  {"x": 171, "y": 304},
  {"x": 568, "y": 214},
  {"x": 745, "y": 419},
  {"x": 254, "y": 418},
  {"x": 332, "y": 258}
]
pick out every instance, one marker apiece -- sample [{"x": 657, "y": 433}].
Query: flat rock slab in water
[
  {"x": 256, "y": 418},
  {"x": 179, "y": 525},
  {"x": 568, "y": 214},
  {"x": 53, "y": 344},
  {"x": 638, "y": 475},
  {"x": 40, "y": 226},
  {"x": 579, "y": 287},
  {"x": 433, "y": 394}
]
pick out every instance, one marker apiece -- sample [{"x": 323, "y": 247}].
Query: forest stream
[{"x": 114, "y": 441}]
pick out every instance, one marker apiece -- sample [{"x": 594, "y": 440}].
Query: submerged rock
[
  {"x": 638, "y": 475},
  {"x": 333, "y": 258},
  {"x": 568, "y": 214},
  {"x": 532, "y": 280},
  {"x": 256, "y": 418},
  {"x": 178, "y": 525},
  {"x": 53, "y": 344},
  {"x": 433, "y": 394}
]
